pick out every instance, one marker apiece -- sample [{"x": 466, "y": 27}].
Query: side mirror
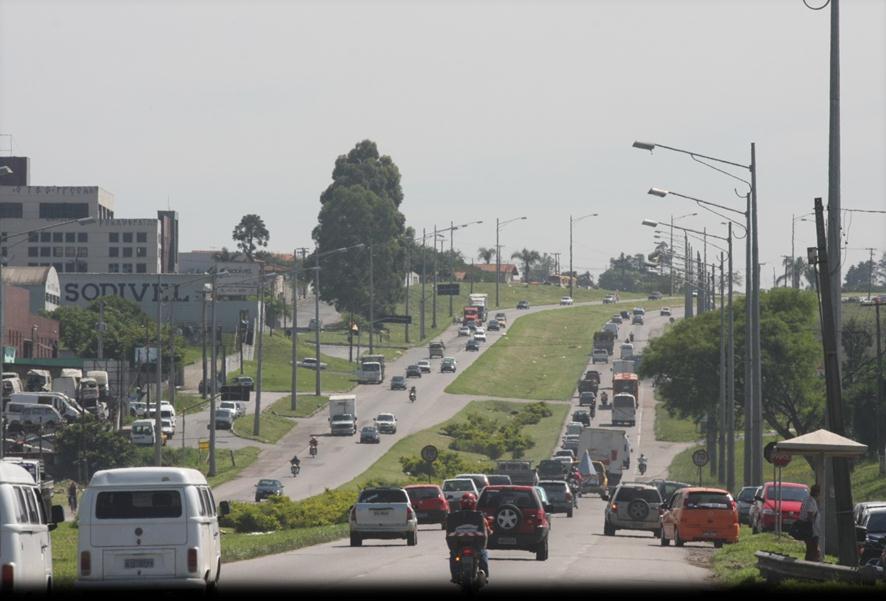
[
  {"x": 224, "y": 508},
  {"x": 861, "y": 534}
]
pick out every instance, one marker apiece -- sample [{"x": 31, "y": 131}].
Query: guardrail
[{"x": 775, "y": 567}]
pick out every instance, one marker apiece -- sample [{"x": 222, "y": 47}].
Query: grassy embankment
[{"x": 278, "y": 419}]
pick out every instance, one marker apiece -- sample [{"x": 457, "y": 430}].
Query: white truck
[
  {"x": 611, "y": 447},
  {"x": 343, "y": 414}
]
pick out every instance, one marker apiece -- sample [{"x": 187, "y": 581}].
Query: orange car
[{"x": 699, "y": 514}]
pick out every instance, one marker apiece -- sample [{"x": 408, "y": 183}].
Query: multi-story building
[{"x": 103, "y": 244}]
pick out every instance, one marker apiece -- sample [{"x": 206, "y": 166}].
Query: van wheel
[
  {"x": 412, "y": 538},
  {"x": 356, "y": 541}
]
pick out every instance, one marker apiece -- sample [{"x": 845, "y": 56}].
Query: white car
[
  {"x": 224, "y": 418},
  {"x": 464, "y": 331},
  {"x": 566, "y": 300},
  {"x": 386, "y": 423},
  {"x": 311, "y": 363},
  {"x": 383, "y": 513},
  {"x": 480, "y": 335},
  {"x": 455, "y": 488},
  {"x": 237, "y": 407},
  {"x": 666, "y": 311},
  {"x": 424, "y": 365},
  {"x": 609, "y": 298}
]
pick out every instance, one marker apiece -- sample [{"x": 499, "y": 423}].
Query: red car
[
  {"x": 430, "y": 506},
  {"x": 764, "y": 510},
  {"x": 519, "y": 519}
]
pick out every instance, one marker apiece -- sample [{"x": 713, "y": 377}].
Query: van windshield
[
  {"x": 138, "y": 504},
  {"x": 142, "y": 429},
  {"x": 623, "y": 402}
]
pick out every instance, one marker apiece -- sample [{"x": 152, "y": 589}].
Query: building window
[
  {"x": 70, "y": 237},
  {"x": 141, "y": 237},
  {"x": 127, "y": 267},
  {"x": 59, "y": 267},
  {"x": 33, "y": 237},
  {"x": 82, "y": 251},
  {"x": 127, "y": 251},
  {"x": 114, "y": 267},
  {"x": 82, "y": 237},
  {"x": 70, "y": 267},
  {"x": 58, "y": 251},
  {"x": 114, "y": 237},
  {"x": 58, "y": 237},
  {"x": 114, "y": 251},
  {"x": 141, "y": 268},
  {"x": 64, "y": 210},
  {"x": 141, "y": 251},
  {"x": 33, "y": 251},
  {"x": 10, "y": 210},
  {"x": 82, "y": 266},
  {"x": 45, "y": 251},
  {"x": 127, "y": 237},
  {"x": 70, "y": 251},
  {"x": 45, "y": 236}
]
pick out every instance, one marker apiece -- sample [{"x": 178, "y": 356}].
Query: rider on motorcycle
[
  {"x": 295, "y": 462},
  {"x": 412, "y": 394},
  {"x": 641, "y": 462},
  {"x": 460, "y": 521}
]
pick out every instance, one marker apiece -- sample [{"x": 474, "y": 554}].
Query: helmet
[{"x": 469, "y": 501}]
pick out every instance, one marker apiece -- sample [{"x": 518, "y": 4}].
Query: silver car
[
  {"x": 559, "y": 496},
  {"x": 633, "y": 506}
]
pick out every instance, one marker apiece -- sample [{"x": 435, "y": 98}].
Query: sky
[{"x": 490, "y": 109}]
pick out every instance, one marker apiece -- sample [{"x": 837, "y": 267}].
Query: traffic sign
[
  {"x": 429, "y": 453},
  {"x": 700, "y": 458},
  {"x": 448, "y": 289},
  {"x": 401, "y": 319},
  {"x": 781, "y": 459},
  {"x": 203, "y": 445}
]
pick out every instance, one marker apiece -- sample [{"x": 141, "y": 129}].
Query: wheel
[
  {"x": 678, "y": 542},
  {"x": 718, "y": 544},
  {"x": 443, "y": 525},
  {"x": 608, "y": 530},
  {"x": 412, "y": 538},
  {"x": 356, "y": 541},
  {"x": 541, "y": 554},
  {"x": 664, "y": 540},
  {"x": 508, "y": 517},
  {"x": 569, "y": 513}
]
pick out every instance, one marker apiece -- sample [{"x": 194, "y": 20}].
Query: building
[
  {"x": 25, "y": 334},
  {"x": 508, "y": 271},
  {"x": 41, "y": 283},
  {"x": 103, "y": 244}
]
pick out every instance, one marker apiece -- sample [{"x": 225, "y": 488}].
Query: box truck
[{"x": 343, "y": 414}]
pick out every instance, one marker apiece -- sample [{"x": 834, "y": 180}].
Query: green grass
[
  {"x": 64, "y": 554},
  {"x": 541, "y": 357},
  {"x": 671, "y": 428},
  {"x": 271, "y": 427},
  {"x": 277, "y": 370},
  {"x": 240, "y": 546},
  {"x": 307, "y": 405},
  {"x": 546, "y": 434}
]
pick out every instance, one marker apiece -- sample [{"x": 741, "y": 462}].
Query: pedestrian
[
  {"x": 72, "y": 496},
  {"x": 809, "y": 513}
]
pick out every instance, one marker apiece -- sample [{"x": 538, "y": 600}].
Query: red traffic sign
[{"x": 780, "y": 459}]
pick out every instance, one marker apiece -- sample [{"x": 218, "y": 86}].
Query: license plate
[
  {"x": 507, "y": 540},
  {"x": 421, "y": 514},
  {"x": 138, "y": 563},
  {"x": 381, "y": 511},
  {"x": 710, "y": 534}
]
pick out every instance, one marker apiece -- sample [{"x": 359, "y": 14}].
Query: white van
[
  {"x": 10, "y": 386},
  {"x": 148, "y": 526},
  {"x": 142, "y": 432},
  {"x": 224, "y": 418},
  {"x": 66, "y": 406},
  {"x": 166, "y": 412},
  {"x": 38, "y": 380},
  {"x": 101, "y": 378},
  {"x": 25, "y": 544},
  {"x": 31, "y": 416},
  {"x": 624, "y": 410},
  {"x": 627, "y": 350}
]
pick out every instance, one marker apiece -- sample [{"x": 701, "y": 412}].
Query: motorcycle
[
  {"x": 604, "y": 399},
  {"x": 313, "y": 450},
  {"x": 631, "y": 336},
  {"x": 294, "y": 468},
  {"x": 412, "y": 395}
]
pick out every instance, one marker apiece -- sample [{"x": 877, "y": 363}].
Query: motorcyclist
[
  {"x": 641, "y": 463},
  {"x": 313, "y": 444},
  {"x": 295, "y": 464},
  {"x": 460, "y": 521},
  {"x": 412, "y": 394}
]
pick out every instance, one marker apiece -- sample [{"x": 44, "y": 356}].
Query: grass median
[
  {"x": 541, "y": 356},
  {"x": 670, "y": 428}
]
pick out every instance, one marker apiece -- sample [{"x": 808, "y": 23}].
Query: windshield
[
  {"x": 708, "y": 500},
  {"x": 269, "y": 483},
  {"x": 417, "y": 494},
  {"x": 553, "y": 486},
  {"x": 142, "y": 429},
  {"x": 877, "y": 522},
  {"x": 788, "y": 493},
  {"x": 384, "y": 418},
  {"x": 383, "y": 496},
  {"x": 342, "y": 417},
  {"x": 147, "y": 504},
  {"x": 746, "y": 495},
  {"x": 650, "y": 495},
  {"x": 458, "y": 485}
]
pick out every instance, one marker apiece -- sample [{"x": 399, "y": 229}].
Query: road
[{"x": 580, "y": 555}]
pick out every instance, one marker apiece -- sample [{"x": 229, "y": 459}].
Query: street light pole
[
  {"x": 434, "y": 293},
  {"x": 213, "y": 375},
  {"x": 317, "y": 321},
  {"x": 293, "y": 403},
  {"x": 371, "y": 303},
  {"x": 497, "y": 260},
  {"x": 571, "y": 272},
  {"x": 158, "y": 422},
  {"x": 451, "y": 262},
  {"x": 424, "y": 277},
  {"x": 256, "y": 423}
]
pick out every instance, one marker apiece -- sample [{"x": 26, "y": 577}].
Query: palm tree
[
  {"x": 527, "y": 257},
  {"x": 800, "y": 269},
  {"x": 485, "y": 254}
]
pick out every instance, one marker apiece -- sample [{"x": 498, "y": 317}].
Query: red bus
[{"x": 626, "y": 383}]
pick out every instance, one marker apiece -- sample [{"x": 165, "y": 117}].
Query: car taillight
[
  {"x": 192, "y": 559},
  {"x": 568, "y": 496},
  {"x": 85, "y": 563},
  {"x": 467, "y": 552},
  {"x": 7, "y": 579},
  {"x": 614, "y": 507}
]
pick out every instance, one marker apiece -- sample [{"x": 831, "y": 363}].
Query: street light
[
  {"x": 794, "y": 219},
  {"x": 498, "y": 225},
  {"x": 452, "y": 228},
  {"x": 573, "y": 221}
]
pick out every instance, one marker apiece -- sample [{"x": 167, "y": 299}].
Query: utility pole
[
  {"x": 498, "y": 261},
  {"x": 756, "y": 367},
  {"x": 408, "y": 270},
  {"x": 424, "y": 278},
  {"x": 451, "y": 262},
  {"x": 293, "y": 403},
  {"x": 877, "y": 413},
  {"x": 158, "y": 422},
  {"x": 721, "y": 441},
  {"x": 101, "y": 330},
  {"x": 871, "y": 272},
  {"x": 213, "y": 374},
  {"x": 671, "y": 250},
  {"x": 304, "y": 253},
  {"x": 434, "y": 293},
  {"x": 841, "y": 482},
  {"x": 172, "y": 352},
  {"x": 748, "y": 355},
  {"x": 256, "y": 423},
  {"x": 371, "y": 305}
]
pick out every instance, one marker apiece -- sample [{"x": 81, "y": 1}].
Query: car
[
  {"x": 480, "y": 480},
  {"x": 519, "y": 519},
  {"x": 655, "y": 296},
  {"x": 639, "y": 311},
  {"x": 499, "y": 479},
  {"x": 245, "y": 381},
  {"x": 472, "y": 345},
  {"x": 608, "y": 299},
  {"x": 598, "y": 482},
  {"x": 224, "y": 419},
  {"x": 616, "y": 318},
  {"x": 634, "y": 506},
  {"x": 792, "y": 496},
  {"x": 665, "y": 311},
  {"x": 559, "y": 496},
  {"x": 398, "y": 383},
  {"x": 862, "y": 508},
  {"x": 448, "y": 365},
  {"x": 493, "y": 326},
  {"x": 582, "y": 416},
  {"x": 570, "y": 441},
  {"x": 314, "y": 324},
  {"x": 480, "y": 335},
  {"x": 455, "y": 488},
  {"x": 587, "y": 399},
  {"x": 413, "y": 371},
  {"x": 566, "y": 453},
  {"x": 369, "y": 435},
  {"x": 425, "y": 366},
  {"x": 383, "y": 512},
  {"x": 523, "y": 304},
  {"x": 600, "y": 355},
  {"x": 311, "y": 363},
  {"x": 697, "y": 513},
  {"x": 874, "y": 523},
  {"x": 429, "y": 503},
  {"x": 386, "y": 423},
  {"x": 267, "y": 488},
  {"x": 464, "y": 331},
  {"x": 566, "y": 300},
  {"x": 238, "y": 411},
  {"x": 745, "y": 499},
  {"x": 637, "y": 320},
  {"x": 502, "y": 319},
  {"x": 625, "y": 315},
  {"x": 667, "y": 487}
]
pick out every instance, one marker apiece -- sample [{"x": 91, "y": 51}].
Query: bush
[{"x": 276, "y": 513}]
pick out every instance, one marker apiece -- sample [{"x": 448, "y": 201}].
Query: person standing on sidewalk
[
  {"x": 72, "y": 496},
  {"x": 809, "y": 513}
]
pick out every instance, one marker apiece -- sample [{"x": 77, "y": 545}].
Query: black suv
[
  {"x": 472, "y": 345},
  {"x": 520, "y": 519},
  {"x": 523, "y": 304},
  {"x": 413, "y": 371},
  {"x": 582, "y": 416}
]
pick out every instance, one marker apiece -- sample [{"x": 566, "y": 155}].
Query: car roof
[
  {"x": 787, "y": 484},
  {"x": 412, "y": 486},
  {"x": 703, "y": 489},
  {"x": 558, "y": 482},
  {"x": 14, "y": 474},
  {"x": 508, "y": 487}
]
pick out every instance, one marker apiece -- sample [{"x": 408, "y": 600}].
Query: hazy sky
[{"x": 490, "y": 109}]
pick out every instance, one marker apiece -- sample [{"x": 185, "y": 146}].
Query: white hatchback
[
  {"x": 566, "y": 300},
  {"x": 480, "y": 334}
]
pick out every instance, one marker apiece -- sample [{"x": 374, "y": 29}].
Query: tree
[
  {"x": 360, "y": 207},
  {"x": 91, "y": 441},
  {"x": 528, "y": 258},
  {"x": 226, "y": 256},
  {"x": 862, "y": 276},
  {"x": 249, "y": 234},
  {"x": 485, "y": 254}
]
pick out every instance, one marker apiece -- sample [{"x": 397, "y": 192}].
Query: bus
[{"x": 627, "y": 383}]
